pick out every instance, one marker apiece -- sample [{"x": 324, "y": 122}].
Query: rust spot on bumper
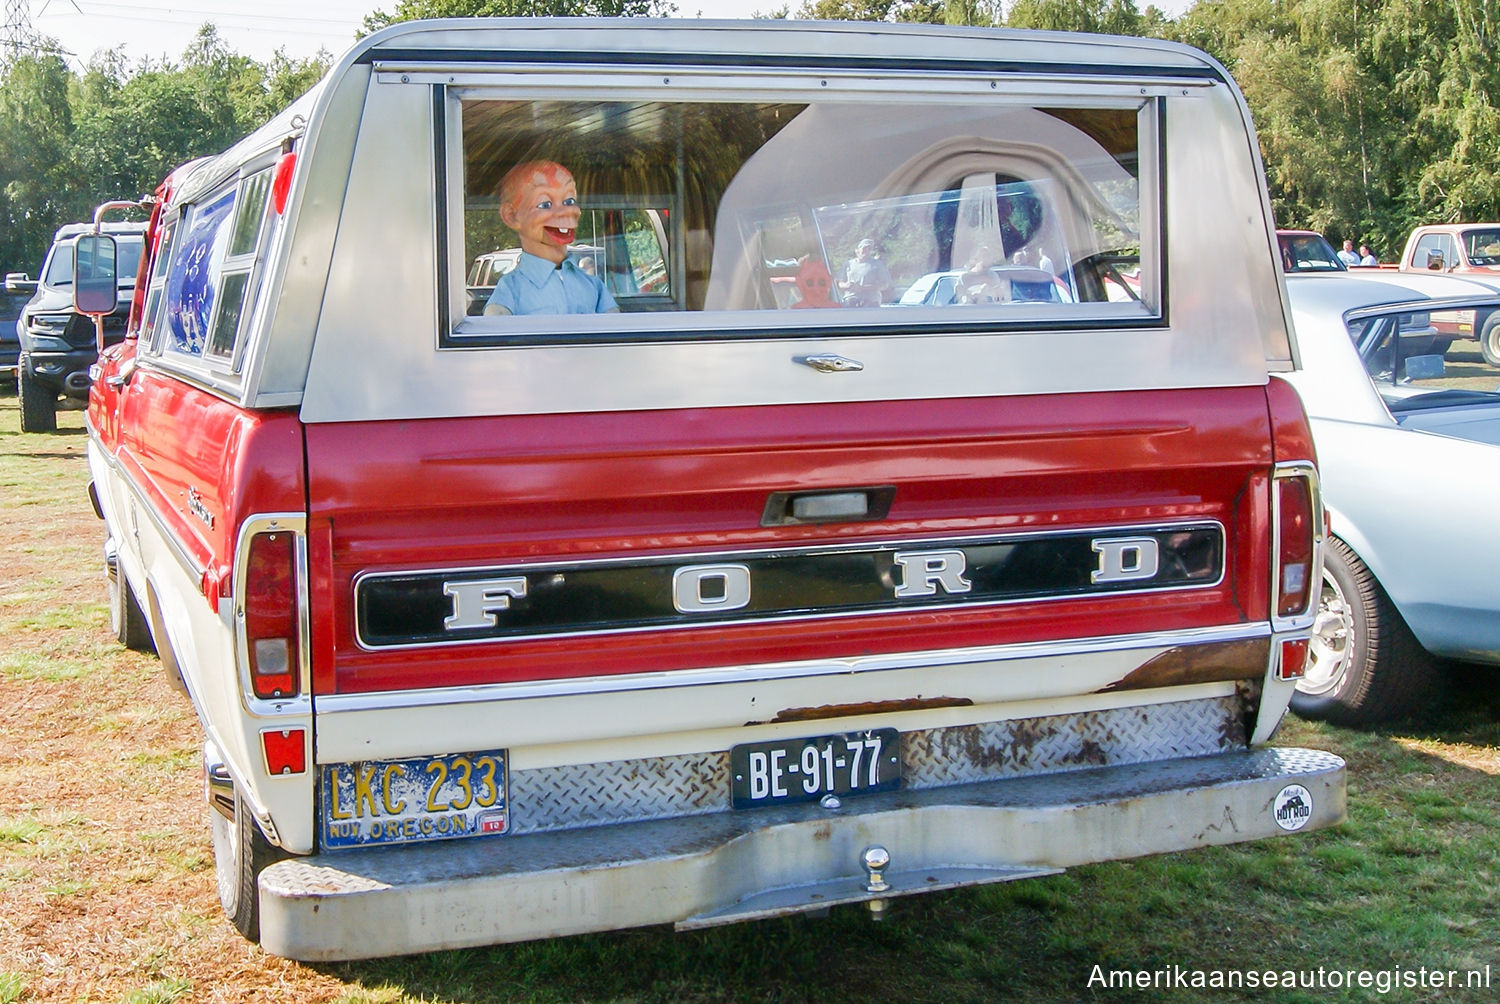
[
  {"x": 1226, "y": 661},
  {"x": 869, "y": 708}
]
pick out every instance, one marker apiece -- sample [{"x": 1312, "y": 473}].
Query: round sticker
[{"x": 1293, "y": 807}]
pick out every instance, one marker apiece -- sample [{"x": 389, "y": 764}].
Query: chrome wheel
[{"x": 1332, "y": 641}]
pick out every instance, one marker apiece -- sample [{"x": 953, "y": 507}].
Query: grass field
[{"x": 106, "y": 876}]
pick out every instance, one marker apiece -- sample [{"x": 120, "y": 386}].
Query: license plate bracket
[
  {"x": 375, "y": 802},
  {"x": 785, "y": 771}
]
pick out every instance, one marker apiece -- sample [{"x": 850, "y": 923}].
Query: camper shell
[{"x": 740, "y": 600}]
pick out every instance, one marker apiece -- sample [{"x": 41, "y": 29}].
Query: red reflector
[
  {"x": 281, "y": 181},
  {"x": 286, "y": 750},
  {"x": 1293, "y": 663},
  {"x": 1297, "y": 534},
  {"x": 271, "y": 615}
]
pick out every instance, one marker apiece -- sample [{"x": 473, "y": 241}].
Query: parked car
[
  {"x": 1400, "y": 589},
  {"x": 57, "y": 344},
  {"x": 717, "y": 607},
  {"x": 1307, "y": 251},
  {"x": 10, "y": 343},
  {"x": 1448, "y": 326},
  {"x": 1021, "y": 284}
]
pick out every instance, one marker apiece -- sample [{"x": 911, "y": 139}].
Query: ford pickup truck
[
  {"x": 734, "y": 598},
  {"x": 1470, "y": 250}
]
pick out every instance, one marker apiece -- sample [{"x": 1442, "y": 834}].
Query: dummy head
[
  {"x": 539, "y": 201},
  {"x": 815, "y": 283}
]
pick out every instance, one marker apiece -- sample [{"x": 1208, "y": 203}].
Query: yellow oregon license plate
[{"x": 426, "y": 798}]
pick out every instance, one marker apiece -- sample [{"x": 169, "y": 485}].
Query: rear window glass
[{"x": 796, "y": 216}]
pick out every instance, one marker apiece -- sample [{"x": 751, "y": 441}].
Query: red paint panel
[
  {"x": 179, "y": 442},
  {"x": 1289, "y": 428},
  {"x": 488, "y": 491}
]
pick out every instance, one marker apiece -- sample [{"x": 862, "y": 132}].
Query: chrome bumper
[{"x": 700, "y": 871}]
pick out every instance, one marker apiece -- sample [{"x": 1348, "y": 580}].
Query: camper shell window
[
  {"x": 202, "y": 281},
  {"x": 708, "y": 219}
]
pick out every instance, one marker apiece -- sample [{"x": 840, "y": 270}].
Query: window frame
[
  {"x": 220, "y": 370},
  {"x": 452, "y": 91}
]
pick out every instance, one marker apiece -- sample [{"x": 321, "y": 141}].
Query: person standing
[
  {"x": 1347, "y": 254},
  {"x": 1366, "y": 256},
  {"x": 866, "y": 281}
]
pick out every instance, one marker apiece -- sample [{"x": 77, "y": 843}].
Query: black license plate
[{"x": 804, "y": 770}]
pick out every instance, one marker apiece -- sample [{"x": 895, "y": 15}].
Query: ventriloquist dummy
[
  {"x": 815, "y": 283},
  {"x": 539, "y": 201}
]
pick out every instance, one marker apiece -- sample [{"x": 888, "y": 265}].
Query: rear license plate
[
  {"x": 425, "y": 798},
  {"x": 804, "y": 770}
]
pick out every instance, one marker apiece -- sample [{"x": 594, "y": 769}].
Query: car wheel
[
  {"x": 38, "y": 404},
  {"x": 1489, "y": 340},
  {"x": 126, "y": 618},
  {"x": 1364, "y": 664},
  {"x": 241, "y": 853}
]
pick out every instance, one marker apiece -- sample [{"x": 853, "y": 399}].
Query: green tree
[
  {"x": 1109, "y": 17},
  {"x": 36, "y": 131},
  {"x": 412, "y": 10}
]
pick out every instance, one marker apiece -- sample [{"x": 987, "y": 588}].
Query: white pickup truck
[{"x": 744, "y": 597}]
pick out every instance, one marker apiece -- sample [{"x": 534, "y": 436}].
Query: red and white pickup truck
[
  {"x": 1469, "y": 250},
  {"x": 719, "y": 605}
]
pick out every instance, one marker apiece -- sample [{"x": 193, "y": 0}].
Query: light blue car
[{"x": 1410, "y": 567}]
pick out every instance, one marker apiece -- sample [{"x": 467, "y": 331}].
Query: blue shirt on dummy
[{"x": 536, "y": 286}]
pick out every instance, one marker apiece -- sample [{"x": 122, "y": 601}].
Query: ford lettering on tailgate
[{"x": 515, "y": 601}]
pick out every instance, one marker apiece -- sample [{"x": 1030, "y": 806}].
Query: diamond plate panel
[
  {"x": 560, "y": 798},
  {"x": 933, "y": 758}
]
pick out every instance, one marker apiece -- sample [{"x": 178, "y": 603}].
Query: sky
[{"x": 257, "y": 28}]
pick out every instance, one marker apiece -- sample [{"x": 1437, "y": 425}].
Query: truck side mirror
[
  {"x": 1435, "y": 260},
  {"x": 95, "y": 274},
  {"x": 19, "y": 282}
]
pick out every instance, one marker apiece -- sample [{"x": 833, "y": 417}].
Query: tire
[
  {"x": 1489, "y": 339},
  {"x": 1365, "y": 665},
  {"x": 241, "y": 853},
  {"x": 38, "y": 404},
  {"x": 126, "y": 618}
]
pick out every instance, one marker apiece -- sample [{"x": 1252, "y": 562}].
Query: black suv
[{"x": 58, "y": 344}]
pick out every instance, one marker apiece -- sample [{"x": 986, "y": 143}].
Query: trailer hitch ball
[{"x": 875, "y": 860}]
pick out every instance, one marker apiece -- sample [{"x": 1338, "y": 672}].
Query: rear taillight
[
  {"x": 272, "y": 614},
  {"x": 1297, "y": 515}
]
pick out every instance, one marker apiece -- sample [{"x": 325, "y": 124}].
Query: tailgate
[{"x": 473, "y": 551}]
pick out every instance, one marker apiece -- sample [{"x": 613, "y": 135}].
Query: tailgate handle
[
  {"x": 836, "y": 505},
  {"x": 830, "y": 362}
]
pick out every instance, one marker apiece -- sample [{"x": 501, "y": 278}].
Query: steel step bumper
[{"x": 698, "y": 871}]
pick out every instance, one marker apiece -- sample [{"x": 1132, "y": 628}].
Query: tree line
[{"x": 1372, "y": 117}]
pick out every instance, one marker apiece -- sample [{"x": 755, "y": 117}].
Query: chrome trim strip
[
  {"x": 980, "y": 76},
  {"x": 189, "y": 564},
  {"x": 666, "y": 680},
  {"x": 700, "y": 557}
]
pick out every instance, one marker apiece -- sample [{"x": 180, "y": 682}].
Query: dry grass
[{"x": 106, "y": 875}]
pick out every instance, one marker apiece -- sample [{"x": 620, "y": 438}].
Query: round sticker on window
[{"x": 1293, "y": 807}]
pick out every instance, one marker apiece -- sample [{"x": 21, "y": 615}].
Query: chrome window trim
[
  {"x": 767, "y": 672},
  {"x": 720, "y": 556},
  {"x": 686, "y": 81},
  {"x": 455, "y": 84}
]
